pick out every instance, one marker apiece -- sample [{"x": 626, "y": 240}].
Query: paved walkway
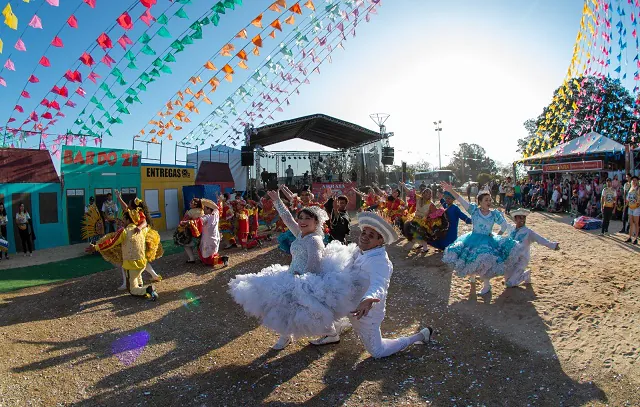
[{"x": 55, "y": 254}]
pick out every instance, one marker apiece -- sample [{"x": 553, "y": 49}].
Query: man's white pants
[{"x": 374, "y": 343}]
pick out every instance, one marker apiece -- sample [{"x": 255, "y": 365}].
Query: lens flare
[
  {"x": 128, "y": 349},
  {"x": 190, "y": 300}
]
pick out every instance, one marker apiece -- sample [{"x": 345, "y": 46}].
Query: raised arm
[
  {"x": 362, "y": 194},
  {"x": 449, "y": 188},
  {"x": 284, "y": 213},
  {"x": 122, "y": 202}
]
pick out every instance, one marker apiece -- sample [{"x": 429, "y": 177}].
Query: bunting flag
[
  {"x": 35, "y": 22},
  {"x": 20, "y": 45},
  {"x": 125, "y": 21}
]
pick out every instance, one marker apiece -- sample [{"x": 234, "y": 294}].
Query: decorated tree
[
  {"x": 469, "y": 161},
  {"x": 581, "y": 105}
]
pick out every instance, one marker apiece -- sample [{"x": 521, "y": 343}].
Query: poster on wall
[
  {"x": 321, "y": 191},
  {"x": 95, "y": 159}
]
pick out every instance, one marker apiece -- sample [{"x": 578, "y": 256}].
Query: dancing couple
[{"x": 323, "y": 285}]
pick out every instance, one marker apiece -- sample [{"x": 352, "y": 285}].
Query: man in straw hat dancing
[
  {"x": 368, "y": 315},
  {"x": 210, "y": 236}
]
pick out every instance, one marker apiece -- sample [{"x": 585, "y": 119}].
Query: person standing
[
  {"x": 25, "y": 229},
  {"x": 508, "y": 195},
  {"x": 3, "y": 232},
  {"x": 109, "y": 211},
  {"x": 289, "y": 173},
  {"x": 264, "y": 175},
  {"x": 339, "y": 221},
  {"x": 608, "y": 202},
  {"x": 454, "y": 215},
  {"x": 372, "y": 261},
  {"x": 625, "y": 212},
  {"x": 210, "y": 237},
  {"x": 633, "y": 203}
]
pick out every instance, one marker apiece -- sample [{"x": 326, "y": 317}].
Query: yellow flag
[
  {"x": 11, "y": 21},
  {"x": 7, "y": 10},
  {"x": 1, "y": 45}
]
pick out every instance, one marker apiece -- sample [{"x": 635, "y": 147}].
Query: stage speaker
[
  {"x": 246, "y": 156},
  {"x": 272, "y": 183},
  {"x": 387, "y": 155}
]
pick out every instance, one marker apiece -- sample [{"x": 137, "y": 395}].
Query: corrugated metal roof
[{"x": 26, "y": 166}]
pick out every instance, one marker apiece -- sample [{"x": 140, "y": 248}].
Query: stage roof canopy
[
  {"x": 590, "y": 144},
  {"x": 317, "y": 128}
]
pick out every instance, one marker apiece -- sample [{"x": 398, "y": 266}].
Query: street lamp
[{"x": 439, "y": 129}]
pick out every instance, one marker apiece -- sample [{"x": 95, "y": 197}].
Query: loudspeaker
[
  {"x": 246, "y": 156},
  {"x": 272, "y": 183},
  {"x": 387, "y": 155}
]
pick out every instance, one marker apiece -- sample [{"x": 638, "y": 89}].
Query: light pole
[{"x": 439, "y": 129}]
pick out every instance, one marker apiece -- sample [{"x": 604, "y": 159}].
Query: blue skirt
[
  {"x": 476, "y": 254},
  {"x": 287, "y": 238}
]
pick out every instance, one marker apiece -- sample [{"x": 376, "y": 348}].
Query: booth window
[
  {"x": 48, "y": 207},
  {"x": 128, "y": 194},
  {"x": 151, "y": 199}
]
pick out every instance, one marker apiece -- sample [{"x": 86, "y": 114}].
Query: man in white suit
[{"x": 367, "y": 317}]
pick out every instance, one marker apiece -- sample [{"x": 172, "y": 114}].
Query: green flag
[
  {"x": 229, "y": 4},
  {"x": 122, "y": 82},
  {"x": 100, "y": 125},
  {"x": 147, "y": 50},
  {"x": 163, "y": 32},
  {"x": 165, "y": 69},
  {"x": 129, "y": 100},
  {"x": 196, "y": 35},
  {"x": 131, "y": 65},
  {"x": 181, "y": 13},
  {"x": 186, "y": 40},
  {"x": 157, "y": 63},
  {"x": 104, "y": 86},
  {"x": 141, "y": 86},
  {"x": 144, "y": 38},
  {"x": 154, "y": 72},
  {"x": 131, "y": 92},
  {"x": 110, "y": 95},
  {"x": 177, "y": 45},
  {"x": 129, "y": 55},
  {"x": 162, "y": 19},
  {"x": 169, "y": 58},
  {"x": 145, "y": 77},
  {"x": 218, "y": 8},
  {"x": 116, "y": 72}
]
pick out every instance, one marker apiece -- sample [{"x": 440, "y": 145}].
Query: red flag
[
  {"x": 91, "y": 3},
  {"x": 86, "y": 59},
  {"x": 33, "y": 116},
  {"x": 25, "y": 94},
  {"x": 45, "y": 102},
  {"x": 47, "y": 115},
  {"x": 19, "y": 108},
  {"x": 34, "y": 79},
  {"x": 73, "y": 76},
  {"x": 11, "y": 120},
  {"x": 44, "y": 61},
  {"x": 72, "y": 21},
  {"x": 54, "y": 105},
  {"x": 104, "y": 41},
  {"x": 57, "y": 42},
  {"x": 125, "y": 21},
  {"x": 148, "y": 3},
  {"x": 60, "y": 91}
]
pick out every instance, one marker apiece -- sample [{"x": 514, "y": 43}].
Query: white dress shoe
[
  {"x": 282, "y": 343},
  {"x": 325, "y": 340},
  {"x": 427, "y": 333}
]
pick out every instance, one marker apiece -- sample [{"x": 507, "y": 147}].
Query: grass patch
[{"x": 31, "y": 276}]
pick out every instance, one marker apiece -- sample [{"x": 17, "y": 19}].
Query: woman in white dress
[{"x": 306, "y": 297}]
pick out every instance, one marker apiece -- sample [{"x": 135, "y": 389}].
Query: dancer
[
  {"x": 188, "y": 229},
  {"x": 268, "y": 213},
  {"x": 226, "y": 221},
  {"x": 371, "y": 200},
  {"x": 525, "y": 236},
  {"x": 427, "y": 223},
  {"x": 130, "y": 243},
  {"x": 454, "y": 216},
  {"x": 480, "y": 252},
  {"x": 210, "y": 235},
  {"x": 297, "y": 312},
  {"x": 367, "y": 317},
  {"x": 396, "y": 208},
  {"x": 153, "y": 246},
  {"x": 305, "y": 200}
]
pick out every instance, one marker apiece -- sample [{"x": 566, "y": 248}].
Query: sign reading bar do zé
[
  {"x": 93, "y": 159},
  {"x": 583, "y": 166}
]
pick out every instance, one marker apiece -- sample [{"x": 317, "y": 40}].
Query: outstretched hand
[
  {"x": 274, "y": 195},
  {"x": 446, "y": 186},
  {"x": 364, "y": 307}
]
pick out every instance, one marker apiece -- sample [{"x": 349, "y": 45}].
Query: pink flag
[
  {"x": 3, "y": 82},
  {"x": 34, "y": 79},
  {"x": 11, "y": 120},
  {"x": 35, "y": 22},
  {"x": 19, "y": 108},
  {"x": 107, "y": 60},
  {"x": 81, "y": 92},
  {"x": 96, "y": 141},
  {"x": 44, "y": 61},
  {"x": 93, "y": 76},
  {"x": 91, "y": 3},
  {"x": 33, "y": 117},
  {"x": 45, "y": 102},
  {"x": 124, "y": 41},
  {"x": 57, "y": 42},
  {"x": 70, "y": 103},
  {"x": 9, "y": 65},
  {"x": 20, "y": 45},
  {"x": 25, "y": 94},
  {"x": 147, "y": 18},
  {"x": 54, "y": 3}
]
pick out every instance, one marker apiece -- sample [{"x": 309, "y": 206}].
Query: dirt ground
[{"x": 569, "y": 339}]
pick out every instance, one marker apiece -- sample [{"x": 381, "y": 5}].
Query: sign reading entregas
[{"x": 159, "y": 172}]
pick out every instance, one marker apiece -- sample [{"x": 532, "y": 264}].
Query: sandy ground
[{"x": 569, "y": 339}]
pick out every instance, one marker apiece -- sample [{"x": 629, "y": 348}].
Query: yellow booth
[{"x": 162, "y": 192}]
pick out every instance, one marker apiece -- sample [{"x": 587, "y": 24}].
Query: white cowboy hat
[
  {"x": 209, "y": 204},
  {"x": 520, "y": 212},
  {"x": 379, "y": 224}
]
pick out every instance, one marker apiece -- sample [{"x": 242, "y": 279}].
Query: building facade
[{"x": 162, "y": 192}]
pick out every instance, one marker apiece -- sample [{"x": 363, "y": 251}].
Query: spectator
[
  {"x": 607, "y": 201},
  {"x": 625, "y": 213},
  {"x": 92, "y": 201},
  {"x": 3, "y": 229},
  {"x": 518, "y": 194},
  {"x": 25, "y": 228},
  {"x": 508, "y": 195},
  {"x": 329, "y": 175},
  {"x": 305, "y": 178},
  {"x": 264, "y": 175},
  {"x": 109, "y": 211},
  {"x": 289, "y": 173},
  {"x": 502, "y": 193}
]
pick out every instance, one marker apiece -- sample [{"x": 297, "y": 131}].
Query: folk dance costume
[
  {"x": 371, "y": 202},
  {"x": 286, "y": 239},
  {"x": 226, "y": 223},
  {"x": 375, "y": 265},
  {"x": 526, "y": 237},
  {"x": 268, "y": 213},
  {"x": 131, "y": 245},
  {"x": 454, "y": 216},
  {"x": 210, "y": 236},
  {"x": 243, "y": 218},
  {"x": 396, "y": 210},
  {"x": 304, "y": 298},
  {"x": 188, "y": 229},
  {"x": 482, "y": 253}
]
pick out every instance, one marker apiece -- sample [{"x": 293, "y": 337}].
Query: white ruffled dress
[{"x": 306, "y": 297}]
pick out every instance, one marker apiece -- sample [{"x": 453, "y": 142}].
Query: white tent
[
  {"x": 592, "y": 143},
  {"x": 223, "y": 154}
]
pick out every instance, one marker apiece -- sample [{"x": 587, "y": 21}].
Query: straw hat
[
  {"x": 208, "y": 203},
  {"x": 379, "y": 224}
]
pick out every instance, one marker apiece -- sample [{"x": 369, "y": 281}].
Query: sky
[{"x": 482, "y": 68}]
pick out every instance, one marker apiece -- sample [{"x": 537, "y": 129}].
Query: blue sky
[{"x": 482, "y": 68}]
